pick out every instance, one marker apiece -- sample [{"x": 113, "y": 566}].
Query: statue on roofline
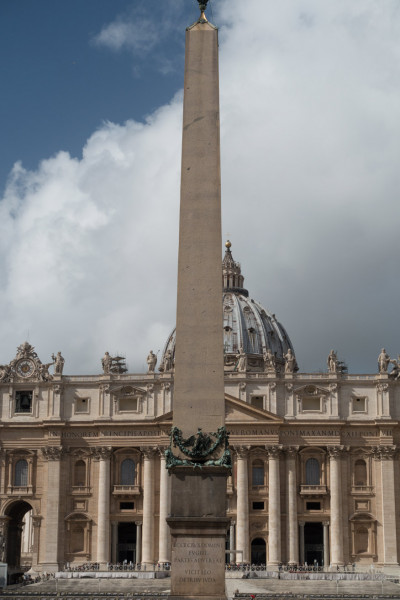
[
  {"x": 383, "y": 361},
  {"x": 151, "y": 361},
  {"x": 113, "y": 364}
]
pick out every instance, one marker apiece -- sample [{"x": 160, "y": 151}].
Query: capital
[
  {"x": 102, "y": 453},
  {"x": 384, "y": 452},
  {"x": 242, "y": 452},
  {"x": 291, "y": 451},
  {"x": 52, "y": 452},
  {"x": 274, "y": 451},
  {"x": 335, "y": 452},
  {"x": 148, "y": 453}
]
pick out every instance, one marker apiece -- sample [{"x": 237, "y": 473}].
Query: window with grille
[
  {"x": 312, "y": 472},
  {"x": 80, "y": 473},
  {"x": 360, "y": 472},
  {"x": 258, "y": 473},
  {"x": 127, "y": 472},
  {"x": 21, "y": 473}
]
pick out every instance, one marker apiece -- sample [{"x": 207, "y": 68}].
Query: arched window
[
  {"x": 360, "y": 472},
  {"x": 127, "y": 472},
  {"x": 257, "y": 472},
  {"x": 362, "y": 540},
  {"x": 80, "y": 473},
  {"x": 21, "y": 473},
  {"x": 312, "y": 472}
]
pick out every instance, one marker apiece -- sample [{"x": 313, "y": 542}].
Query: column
[
  {"x": 36, "y": 523},
  {"x": 336, "y": 505},
  {"x": 232, "y": 555},
  {"x": 292, "y": 526},
  {"x": 242, "y": 505},
  {"x": 4, "y": 521},
  {"x": 326, "y": 545},
  {"x": 148, "y": 506},
  {"x": 386, "y": 455},
  {"x": 103, "y": 455},
  {"x": 114, "y": 542},
  {"x": 163, "y": 534},
  {"x": 274, "y": 507},
  {"x": 53, "y": 456},
  {"x": 301, "y": 531},
  {"x": 138, "y": 542}
]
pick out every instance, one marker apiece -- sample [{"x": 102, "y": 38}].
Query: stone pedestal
[{"x": 198, "y": 529}]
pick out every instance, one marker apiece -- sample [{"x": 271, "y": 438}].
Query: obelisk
[{"x": 198, "y": 458}]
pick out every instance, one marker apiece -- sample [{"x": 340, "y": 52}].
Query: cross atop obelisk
[{"x": 199, "y": 454}]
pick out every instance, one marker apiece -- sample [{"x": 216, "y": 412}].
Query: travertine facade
[{"x": 316, "y": 469}]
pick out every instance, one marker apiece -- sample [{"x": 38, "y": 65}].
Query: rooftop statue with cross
[{"x": 202, "y": 5}]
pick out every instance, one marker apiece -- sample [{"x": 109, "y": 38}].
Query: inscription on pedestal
[{"x": 198, "y": 561}]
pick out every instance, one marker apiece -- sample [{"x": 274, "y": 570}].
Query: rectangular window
[
  {"x": 81, "y": 405},
  {"x": 312, "y": 404},
  {"x": 258, "y": 475},
  {"x": 23, "y": 401},
  {"x": 126, "y": 505},
  {"x": 128, "y": 404},
  {"x": 257, "y": 402},
  {"x": 313, "y": 505},
  {"x": 258, "y": 505},
  {"x": 359, "y": 405}
]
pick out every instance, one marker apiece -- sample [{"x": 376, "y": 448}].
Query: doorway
[
  {"x": 126, "y": 549},
  {"x": 313, "y": 543},
  {"x": 258, "y": 552}
]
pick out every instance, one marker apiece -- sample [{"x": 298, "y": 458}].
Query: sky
[{"x": 90, "y": 143}]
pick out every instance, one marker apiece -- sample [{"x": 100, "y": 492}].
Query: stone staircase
[{"x": 243, "y": 589}]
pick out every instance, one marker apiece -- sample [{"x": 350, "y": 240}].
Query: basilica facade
[{"x": 316, "y": 472}]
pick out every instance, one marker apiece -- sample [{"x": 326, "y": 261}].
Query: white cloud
[
  {"x": 310, "y": 108},
  {"x": 138, "y": 35}
]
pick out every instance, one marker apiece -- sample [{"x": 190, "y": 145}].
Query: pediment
[
  {"x": 127, "y": 390},
  {"x": 236, "y": 411},
  {"x": 311, "y": 390}
]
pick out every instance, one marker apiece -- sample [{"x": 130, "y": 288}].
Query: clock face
[{"x": 25, "y": 367}]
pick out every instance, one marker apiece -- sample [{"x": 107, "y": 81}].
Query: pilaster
[{"x": 384, "y": 455}]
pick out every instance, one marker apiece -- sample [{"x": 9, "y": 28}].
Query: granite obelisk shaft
[
  {"x": 199, "y": 370},
  {"x": 198, "y": 522}
]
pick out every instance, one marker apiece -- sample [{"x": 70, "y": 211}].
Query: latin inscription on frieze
[
  {"x": 73, "y": 435},
  {"x": 311, "y": 432}
]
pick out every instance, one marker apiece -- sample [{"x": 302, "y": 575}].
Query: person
[
  {"x": 269, "y": 360},
  {"x": 106, "y": 363},
  {"x": 44, "y": 372},
  {"x": 383, "y": 361},
  {"x": 151, "y": 361},
  {"x": 168, "y": 361},
  {"x": 58, "y": 363},
  {"x": 242, "y": 360},
  {"x": 290, "y": 362},
  {"x": 395, "y": 372},
  {"x": 332, "y": 362}
]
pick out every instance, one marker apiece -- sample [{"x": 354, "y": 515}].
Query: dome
[{"x": 248, "y": 327}]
